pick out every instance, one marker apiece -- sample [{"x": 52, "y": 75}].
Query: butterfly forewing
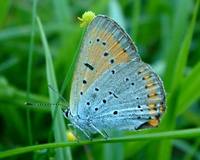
[{"x": 105, "y": 45}]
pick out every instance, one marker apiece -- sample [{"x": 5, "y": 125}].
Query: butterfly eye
[{"x": 66, "y": 113}]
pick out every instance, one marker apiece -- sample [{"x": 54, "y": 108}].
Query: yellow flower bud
[
  {"x": 87, "y": 17},
  {"x": 71, "y": 136}
]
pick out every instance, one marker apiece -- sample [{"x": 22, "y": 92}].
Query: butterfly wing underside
[
  {"x": 130, "y": 98},
  {"x": 105, "y": 45}
]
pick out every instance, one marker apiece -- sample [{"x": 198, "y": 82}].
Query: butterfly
[{"x": 112, "y": 88}]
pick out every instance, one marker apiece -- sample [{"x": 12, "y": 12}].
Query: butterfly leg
[
  {"x": 70, "y": 126},
  {"x": 84, "y": 132},
  {"x": 104, "y": 134}
]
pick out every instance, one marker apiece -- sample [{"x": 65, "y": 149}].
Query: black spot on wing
[
  {"x": 112, "y": 61},
  {"x": 113, "y": 72},
  {"x": 104, "y": 43},
  {"x": 89, "y": 66},
  {"x": 115, "y": 95},
  {"x": 105, "y": 54},
  {"x": 115, "y": 112},
  {"x": 111, "y": 93}
]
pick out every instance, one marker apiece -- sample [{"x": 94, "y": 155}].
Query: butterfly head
[{"x": 67, "y": 113}]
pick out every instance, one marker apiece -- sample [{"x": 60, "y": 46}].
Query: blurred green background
[{"x": 167, "y": 34}]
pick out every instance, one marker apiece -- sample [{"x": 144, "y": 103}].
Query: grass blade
[
  {"x": 135, "y": 19},
  {"x": 187, "y": 148},
  {"x": 179, "y": 27},
  {"x": 29, "y": 68},
  {"x": 4, "y": 8},
  {"x": 194, "y": 152},
  {"x": 62, "y": 11},
  {"x": 184, "y": 134},
  {"x": 184, "y": 51},
  {"x": 170, "y": 118},
  {"x": 189, "y": 90},
  {"x": 100, "y": 7},
  {"x": 59, "y": 126},
  {"x": 24, "y": 31},
  {"x": 8, "y": 64},
  {"x": 71, "y": 67},
  {"x": 116, "y": 12}
]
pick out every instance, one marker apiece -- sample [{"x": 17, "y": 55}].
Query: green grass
[
  {"x": 177, "y": 77},
  {"x": 36, "y": 52},
  {"x": 184, "y": 134},
  {"x": 30, "y": 61},
  {"x": 58, "y": 118}
]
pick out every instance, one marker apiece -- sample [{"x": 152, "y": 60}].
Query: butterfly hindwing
[
  {"x": 105, "y": 45},
  {"x": 126, "y": 97}
]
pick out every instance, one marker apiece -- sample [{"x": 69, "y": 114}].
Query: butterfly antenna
[
  {"x": 57, "y": 93},
  {"x": 44, "y": 106}
]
